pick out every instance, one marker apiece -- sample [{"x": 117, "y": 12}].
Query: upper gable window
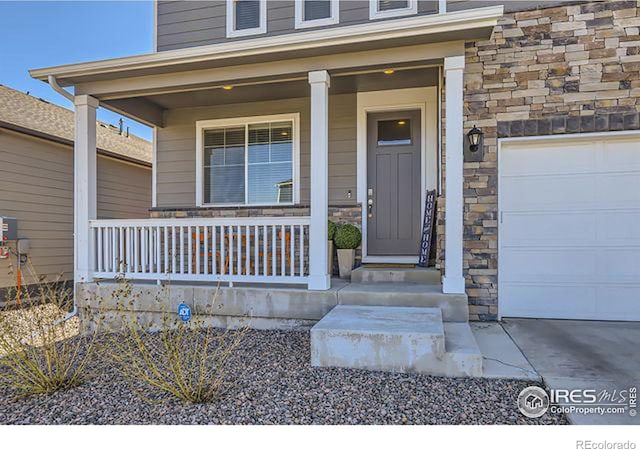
[
  {"x": 313, "y": 13},
  {"x": 382, "y": 9},
  {"x": 246, "y": 17}
]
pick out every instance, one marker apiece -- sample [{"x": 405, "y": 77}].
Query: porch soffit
[
  {"x": 129, "y": 85},
  {"x": 458, "y": 25}
]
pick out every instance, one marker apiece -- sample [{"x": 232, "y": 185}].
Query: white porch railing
[{"x": 269, "y": 250}]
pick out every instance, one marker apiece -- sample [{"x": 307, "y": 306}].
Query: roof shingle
[{"x": 35, "y": 114}]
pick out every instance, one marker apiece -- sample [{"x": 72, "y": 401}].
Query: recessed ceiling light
[
  {"x": 389, "y": 72},
  {"x": 227, "y": 87},
  {"x": 402, "y": 122}
]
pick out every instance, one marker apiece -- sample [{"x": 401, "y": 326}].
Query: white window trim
[
  {"x": 203, "y": 125},
  {"x": 374, "y": 13},
  {"x": 332, "y": 20},
  {"x": 231, "y": 22}
]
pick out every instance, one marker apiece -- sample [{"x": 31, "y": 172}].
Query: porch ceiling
[{"x": 340, "y": 84}]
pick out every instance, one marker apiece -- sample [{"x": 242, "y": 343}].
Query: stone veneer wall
[
  {"x": 568, "y": 69},
  {"x": 339, "y": 214}
]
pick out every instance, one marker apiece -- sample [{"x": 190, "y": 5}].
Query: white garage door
[{"x": 569, "y": 232}]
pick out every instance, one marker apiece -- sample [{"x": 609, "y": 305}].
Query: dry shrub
[
  {"x": 40, "y": 352},
  {"x": 186, "y": 359}
]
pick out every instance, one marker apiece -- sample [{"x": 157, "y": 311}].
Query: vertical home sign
[{"x": 427, "y": 228}]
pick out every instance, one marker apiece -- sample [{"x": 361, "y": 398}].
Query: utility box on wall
[{"x": 8, "y": 229}]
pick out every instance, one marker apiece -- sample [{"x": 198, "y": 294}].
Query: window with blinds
[
  {"x": 249, "y": 164},
  {"x": 381, "y": 9},
  {"x": 388, "y": 5},
  {"x": 246, "y": 17},
  {"x": 314, "y": 13},
  {"x": 247, "y": 14},
  {"x": 317, "y": 9}
]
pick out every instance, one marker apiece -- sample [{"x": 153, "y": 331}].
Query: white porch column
[
  {"x": 319, "y": 279},
  {"x": 453, "y": 281},
  {"x": 85, "y": 186}
]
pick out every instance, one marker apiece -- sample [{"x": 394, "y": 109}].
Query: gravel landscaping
[{"x": 273, "y": 383}]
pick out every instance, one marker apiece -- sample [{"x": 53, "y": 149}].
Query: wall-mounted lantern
[{"x": 473, "y": 149}]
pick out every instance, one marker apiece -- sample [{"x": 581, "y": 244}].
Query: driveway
[{"x": 582, "y": 355}]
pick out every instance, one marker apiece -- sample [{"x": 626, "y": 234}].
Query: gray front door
[{"x": 393, "y": 178}]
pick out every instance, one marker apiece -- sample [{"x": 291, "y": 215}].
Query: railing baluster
[
  {"x": 173, "y": 250},
  {"x": 256, "y": 252},
  {"x": 158, "y": 255},
  {"x": 166, "y": 249},
  {"x": 264, "y": 250},
  {"x": 135, "y": 249},
  {"x": 274, "y": 250},
  {"x": 230, "y": 242},
  {"x": 301, "y": 246},
  {"x": 292, "y": 251},
  {"x": 223, "y": 256},
  {"x": 214, "y": 250},
  {"x": 283, "y": 250},
  {"x": 130, "y": 249},
  {"x": 205, "y": 257},
  {"x": 181, "y": 250},
  {"x": 239, "y": 247},
  {"x": 150, "y": 249},
  {"x": 247, "y": 250},
  {"x": 114, "y": 251},
  {"x": 197, "y": 248},
  {"x": 99, "y": 267}
]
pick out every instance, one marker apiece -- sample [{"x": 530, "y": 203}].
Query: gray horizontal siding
[
  {"x": 176, "y": 158},
  {"x": 187, "y": 24},
  {"x": 36, "y": 181},
  {"x": 182, "y": 24}
]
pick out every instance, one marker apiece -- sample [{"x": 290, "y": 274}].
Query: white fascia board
[{"x": 352, "y": 34}]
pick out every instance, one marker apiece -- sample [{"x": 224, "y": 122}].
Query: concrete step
[
  {"x": 418, "y": 275},
  {"x": 454, "y": 307},
  {"x": 397, "y": 339},
  {"x": 463, "y": 355}
]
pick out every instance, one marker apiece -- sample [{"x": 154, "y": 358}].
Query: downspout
[{"x": 53, "y": 82}]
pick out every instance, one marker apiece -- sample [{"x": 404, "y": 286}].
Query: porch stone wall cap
[
  {"x": 85, "y": 100},
  {"x": 454, "y": 63},
  {"x": 320, "y": 76}
]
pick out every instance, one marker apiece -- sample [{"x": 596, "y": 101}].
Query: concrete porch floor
[{"x": 582, "y": 355}]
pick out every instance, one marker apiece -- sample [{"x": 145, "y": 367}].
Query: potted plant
[
  {"x": 347, "y": 239},
  {"x": 330, "y": 236}
]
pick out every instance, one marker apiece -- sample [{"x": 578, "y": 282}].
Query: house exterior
[
  {"x": 272, "y": 117},
  {"x": 36, "y": 183}
]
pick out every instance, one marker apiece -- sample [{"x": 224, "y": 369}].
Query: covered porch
[{"x": 322, "y": 92}]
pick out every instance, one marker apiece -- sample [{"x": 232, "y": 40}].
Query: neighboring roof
[{"x": 24, "y": 113}]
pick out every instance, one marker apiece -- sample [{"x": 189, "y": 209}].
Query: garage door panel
[
  {"x": 551, "y": 192},
  {"x": 618, "y": 190},
  {"x": 548, "y": 228},
  {"x": 619, "y": 264},
  {"x": 569, "y": 245},
  {"x": 620, "y": 155},
  {"x": 619, "y": 227},
  {"x": 533, "y": 265},
  {"x": 618, "y": 302},
  {"x": 550, "y": 159},
  {"x": 551, "y": 301}
]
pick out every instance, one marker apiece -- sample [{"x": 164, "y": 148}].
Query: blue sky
[{"x": 41, "y": 34}]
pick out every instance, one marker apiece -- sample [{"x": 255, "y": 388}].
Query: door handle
[{"x": 370, "y": 203}]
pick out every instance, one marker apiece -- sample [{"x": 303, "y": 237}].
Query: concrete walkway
[{"x": 582, "y": 355}]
